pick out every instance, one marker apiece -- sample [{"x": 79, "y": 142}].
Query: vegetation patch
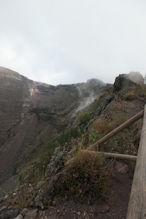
[
  {"x": 103, "y": 126},
  {"x": 35, "y": 171},
  {"x": 84, "y": 118},
  {"x": 87, "y": 175},
  {"x": 69, "y": 135},
  {"x": 130, "y": 96}
]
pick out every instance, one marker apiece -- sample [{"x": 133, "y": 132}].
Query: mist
[{"x": 61, "y": 42}]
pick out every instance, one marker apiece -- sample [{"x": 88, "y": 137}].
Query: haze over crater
[{"x": 71, "y": 41}]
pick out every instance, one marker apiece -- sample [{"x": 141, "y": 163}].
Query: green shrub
[
  {"x": 84, "y": 118},
  {"x": 94, "y": 136},
  {"x": 86, "y": 176},
  {"x": 67, "y": 136},
  {"x": 130, "y": 96}
]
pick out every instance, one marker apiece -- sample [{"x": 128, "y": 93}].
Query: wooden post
[
  {"x": 115, "y": 155},
  {"x": 116, "y": 130},
  {"x": 137, "y": 203}
]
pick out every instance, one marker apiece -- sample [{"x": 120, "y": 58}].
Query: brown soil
[
  {"x": 114, "y": 208},
  {"x": 12, "y": 150}
]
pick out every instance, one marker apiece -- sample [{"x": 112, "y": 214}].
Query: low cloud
[{"x": 71, "y": 41}]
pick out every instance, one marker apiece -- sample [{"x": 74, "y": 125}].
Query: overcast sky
[{"x": 68, "y": 41}]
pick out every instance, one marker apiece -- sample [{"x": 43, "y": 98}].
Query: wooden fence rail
[
  {"x": 116, "y": 130},
  {"x": 115, "y": 155},
  {"x": 137, "y": 203}
]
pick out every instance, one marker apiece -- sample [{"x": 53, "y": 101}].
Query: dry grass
[
  {"x": 117, "y": 106},
  {"x": 86, "y": 176},
  {"x": 130, "y": 96},
  {"x": 103, "y": 126},
  {"x": 25, "y": 196}
]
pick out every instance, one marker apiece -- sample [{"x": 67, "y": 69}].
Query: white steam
[
  {"x": 86, "y": 102},
  {"x": 136, "y": 77},
  {"x": 88, "y": 92}
]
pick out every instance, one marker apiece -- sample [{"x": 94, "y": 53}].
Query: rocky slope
[
  {"x": 32, "y": 112},
  {"x": 42, "y": 142}
]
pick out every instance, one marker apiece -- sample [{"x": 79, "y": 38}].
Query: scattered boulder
[
  {"x": 31, "y": 214},
  {"x": 8, "y": 213},
  {"x": 124, "y": 81},
  {"x": 20, "y": 216}
]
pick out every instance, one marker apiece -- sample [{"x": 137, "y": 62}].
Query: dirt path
[{"x": 114, "y": 208}]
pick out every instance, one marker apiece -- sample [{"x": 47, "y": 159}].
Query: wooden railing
[
  {"x": 137, "y": 202},
  {"x": 116, "y": 130}
]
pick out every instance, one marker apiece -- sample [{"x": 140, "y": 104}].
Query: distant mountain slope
[{"x": 31, "y": 111}]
